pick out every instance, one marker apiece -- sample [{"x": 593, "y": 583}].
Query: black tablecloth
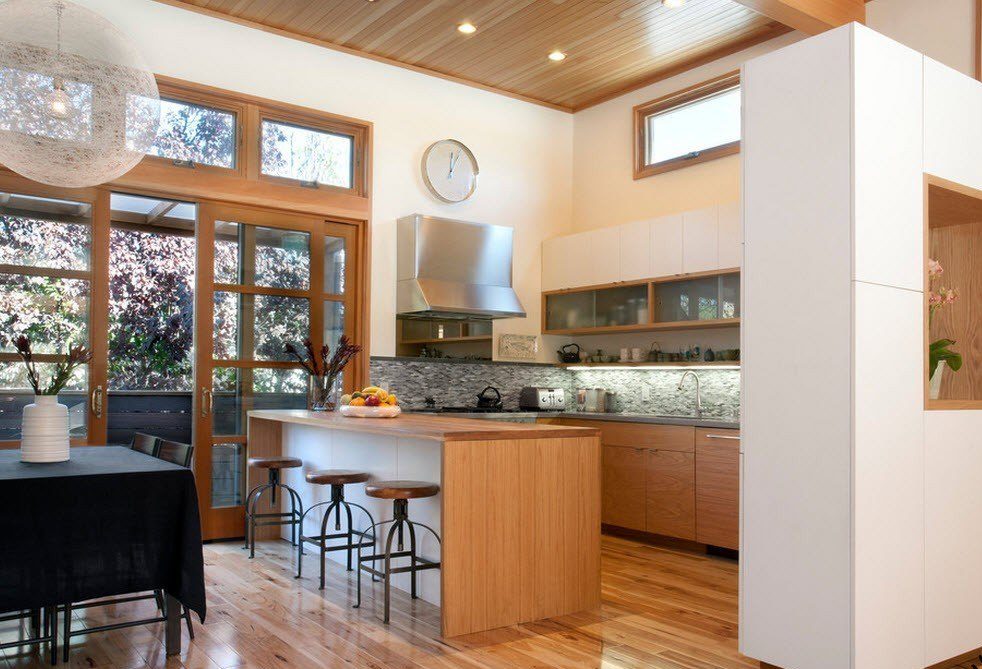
[{"x": 108, "y": 522}]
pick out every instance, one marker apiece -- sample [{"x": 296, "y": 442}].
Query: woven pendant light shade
[{"x": 78, "y": 106}]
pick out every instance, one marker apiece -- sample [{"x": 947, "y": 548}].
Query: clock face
[{"x": 450, "y": 170}]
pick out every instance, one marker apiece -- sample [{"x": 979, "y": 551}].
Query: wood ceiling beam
[{"x": 810, "y": 16}]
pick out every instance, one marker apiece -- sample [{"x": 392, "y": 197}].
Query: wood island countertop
[{"x": 424, "y": 426}]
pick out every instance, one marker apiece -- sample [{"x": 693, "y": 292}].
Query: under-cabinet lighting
[
  {"x": 467, "y": 28},
  {"x": 662, "y": 366},
  {"x": 557, "y": 56},
  {"x": 673, "y": 4}
]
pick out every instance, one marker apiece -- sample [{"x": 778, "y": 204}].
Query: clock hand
[{"x": 453, "y": 163}]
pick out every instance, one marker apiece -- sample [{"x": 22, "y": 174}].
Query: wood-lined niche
[{"x": 954, "y": 238}]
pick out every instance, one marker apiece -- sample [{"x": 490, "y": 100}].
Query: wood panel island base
[{"x": 518, "y": 511}]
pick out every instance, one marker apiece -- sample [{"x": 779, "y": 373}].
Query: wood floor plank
[{"x": 661, "y": 609}]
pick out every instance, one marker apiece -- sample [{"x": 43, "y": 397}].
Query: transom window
[
  {"x": 688, "y": 127},
  {"x": 192, "y": 133},
  {"x": 307, "y": 155}
]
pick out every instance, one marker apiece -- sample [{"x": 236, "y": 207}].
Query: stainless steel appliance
[
  {"x": 542, "y": 399},
  {"x": 596, "y": 400},
  {"x": 448, "y": 268}
]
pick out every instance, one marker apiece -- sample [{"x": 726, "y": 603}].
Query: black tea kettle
[
  {"x": 485, "y": 401},
  {"x": 568, "y": 355}
]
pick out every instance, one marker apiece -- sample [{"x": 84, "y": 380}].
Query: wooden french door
[
  {"x": 53, "y": 276},
  {"x": 264, "y": 278}
]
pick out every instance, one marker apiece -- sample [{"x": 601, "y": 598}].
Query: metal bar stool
[
  {"x": 400, "y": 492},
  {"x": 337, "y": 479},
  {"x": 292, "y": 518}
]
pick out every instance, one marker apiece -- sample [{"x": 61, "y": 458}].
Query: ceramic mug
[
  {"x": 636, "y": 355},
  {"x": 625, "y": 355}
]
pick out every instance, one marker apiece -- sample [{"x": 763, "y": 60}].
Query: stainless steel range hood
[{"x": 450, "y": 269}]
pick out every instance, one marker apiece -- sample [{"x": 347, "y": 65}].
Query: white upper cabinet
[
  {"x": 635, "y": 251},
  {"x": 584, "y": 259},
  {"x": 666, "y": 246},
  {"x": 598, "y": 254},
  {"x": 730, "y": 236},
  {"x": 700, "y": 240},
  {"x": 555, "y": 268}
]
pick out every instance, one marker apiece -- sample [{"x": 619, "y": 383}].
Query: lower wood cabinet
[
  {"x": 718, "y": 488},
  {"x": 670, "y": 498},
  {"x": 623, "y": 487},
  {"x": 676, "y": 481}
]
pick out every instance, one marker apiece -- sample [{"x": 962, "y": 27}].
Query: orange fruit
[{"x": 358, "y": 402}]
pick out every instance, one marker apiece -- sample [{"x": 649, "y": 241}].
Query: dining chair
[
  {"x": 43, "y": 626},
  {"x": 145, "y": 443},
  {"x": 176, "y": 452}
]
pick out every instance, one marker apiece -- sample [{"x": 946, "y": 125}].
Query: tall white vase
[
  {"x": 936, "y": 379},
  {"x": 44, "y": 431}
]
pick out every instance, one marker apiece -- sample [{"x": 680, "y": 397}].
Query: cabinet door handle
[
  {"x": 207, "y": 400},
  {"x": 721, "y": 436},
  {"x": 95, "y": 401}
]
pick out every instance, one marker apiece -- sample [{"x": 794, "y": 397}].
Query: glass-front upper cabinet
[{"x": 652, "y": 305}]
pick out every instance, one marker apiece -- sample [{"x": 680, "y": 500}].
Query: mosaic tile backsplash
[{"x": 458, "y": 383}]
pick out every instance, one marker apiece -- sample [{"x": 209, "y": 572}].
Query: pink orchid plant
[{"x": 937, "y": 298}]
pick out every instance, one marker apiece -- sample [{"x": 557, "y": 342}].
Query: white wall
[
  {"x": 524, "y": 150},
  {"x": 604, "y": 190}
]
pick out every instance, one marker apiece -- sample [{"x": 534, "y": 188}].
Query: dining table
[{"x": 109, "y": 521}]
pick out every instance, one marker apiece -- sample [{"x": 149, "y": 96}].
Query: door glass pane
[
  {"x": 334, "y": 263},
  {"x": 56, "y": 237},
  {"x": 52, "y": 312},
  {"x": 17, "y": 393},
  {"x": 695, "y": 299},
  {"x": 227, "y": 475},
  {"x": 250, "y": 255},
  {"x": 333, "y": 323},
  {"x": 729, "y": 296},
  {"x": 237, "y": 391},
  {"x": 202, "y": 135},
  {"x": 306, "y": 154},
  {"x": 256, "y": 327}
]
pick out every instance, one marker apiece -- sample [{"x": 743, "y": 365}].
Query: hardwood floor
[{"x": 662, "y": 609}]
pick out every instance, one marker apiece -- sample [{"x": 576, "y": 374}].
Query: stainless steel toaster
[{"x": 542, "y": 399}]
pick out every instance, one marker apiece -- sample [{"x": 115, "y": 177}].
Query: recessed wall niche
[{"x": 954, "y": 239}]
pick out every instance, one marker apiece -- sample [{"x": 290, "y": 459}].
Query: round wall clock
[{"x": 450, "y": 170}]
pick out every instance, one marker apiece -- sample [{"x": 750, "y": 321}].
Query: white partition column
[{"x": 833, "y": 494}]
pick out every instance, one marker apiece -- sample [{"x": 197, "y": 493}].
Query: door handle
[
  {"x": 95, "y": 401},
  {"x": 207, "y": 400},
  {"x": 721, "y": 436}
]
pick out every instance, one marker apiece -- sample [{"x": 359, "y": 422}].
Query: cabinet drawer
[
  {"x": 670, "y": 504},
  {"x": 641, "y": 435},
  {"x": 728, "y": 438},
  {"x": 718, "y": 488}
]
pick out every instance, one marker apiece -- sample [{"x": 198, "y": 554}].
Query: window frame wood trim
[{"x": 680, "y": 98}]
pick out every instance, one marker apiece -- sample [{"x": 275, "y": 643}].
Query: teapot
[{"x": 567, "y": 353}]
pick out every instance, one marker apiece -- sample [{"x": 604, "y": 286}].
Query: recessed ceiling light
[
  {"x": 673, "y": 4},
  {"x": 557, "y": 56},
  {"x": 467, "y": 28}
]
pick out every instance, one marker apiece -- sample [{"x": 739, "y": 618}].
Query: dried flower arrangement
[
  {"x": 77, "y": 355},
  {"x": 324, "y": 369}
]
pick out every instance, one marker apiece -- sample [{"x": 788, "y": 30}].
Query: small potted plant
[
  {"x": 940, "y": 355},
  {"x": 324, "y": 370},
  {"x": 44, "y": 430}
]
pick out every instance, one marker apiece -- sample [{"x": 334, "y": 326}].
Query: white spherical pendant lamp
[{"x": 78, "y": 106}]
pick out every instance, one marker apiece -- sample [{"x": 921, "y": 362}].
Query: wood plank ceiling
[{"x": 612, "y": 46}]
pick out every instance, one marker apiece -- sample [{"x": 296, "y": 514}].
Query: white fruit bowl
[{"x": 370, "y": 412}]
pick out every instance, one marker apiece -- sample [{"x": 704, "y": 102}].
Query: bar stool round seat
[
  {"x": 275, "y": 462},
  {"x": 401, "y": 489},
  {"x": 336, "y": 477}
]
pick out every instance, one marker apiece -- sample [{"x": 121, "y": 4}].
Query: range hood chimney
[{"x": 454, "y": 269}]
